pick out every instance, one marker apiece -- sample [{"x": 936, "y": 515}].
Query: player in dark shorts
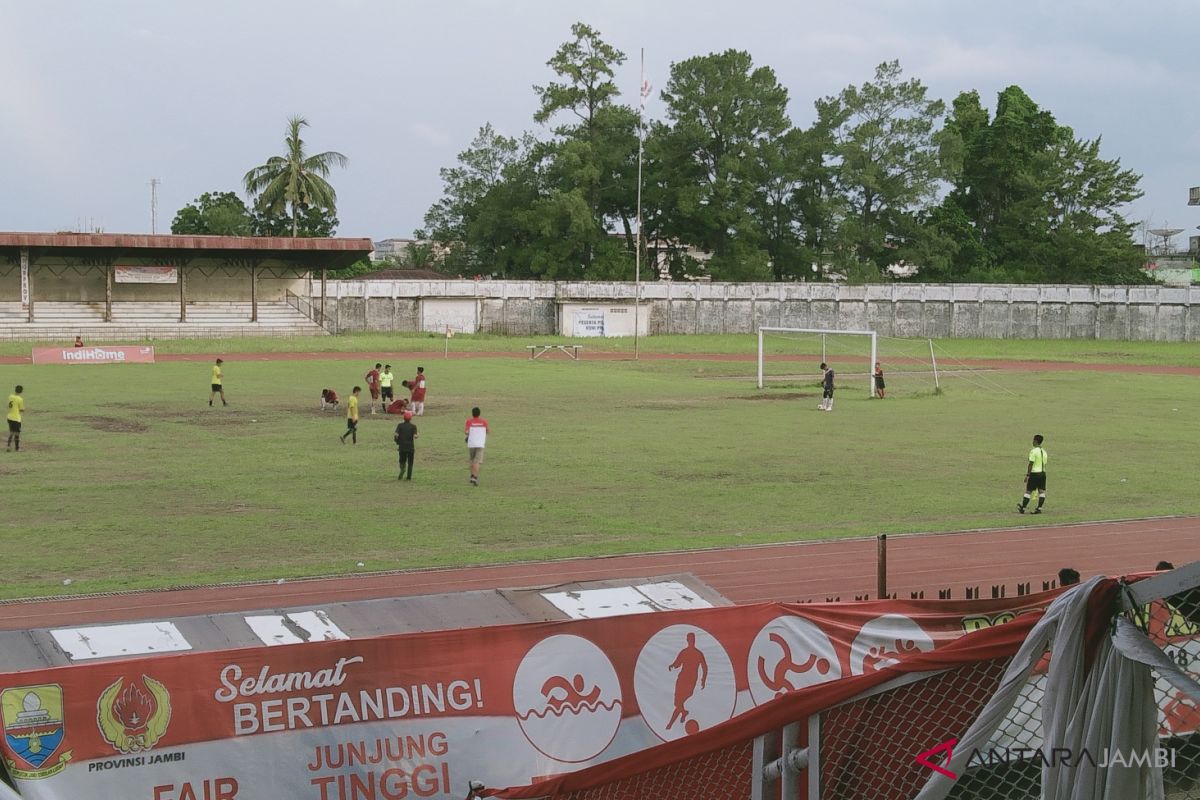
[
  {"x": 826, "y": 388},
  {"x": 880, "y": 386},
  {"x": 405, "y": 439},
  {"x": 385, "y": 384},
  {"x": 1035, "y": 477},
  {"x": 352, "y": 417}
]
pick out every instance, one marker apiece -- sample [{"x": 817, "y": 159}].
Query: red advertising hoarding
[
  {"x": 116, "y": 354},
  {"x": 419, "y": 715}
]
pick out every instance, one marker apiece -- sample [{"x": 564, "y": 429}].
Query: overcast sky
[{"x": 96, "y": 98}]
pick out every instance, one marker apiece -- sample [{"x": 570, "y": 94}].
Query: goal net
[{"x": 789, "y": 358}]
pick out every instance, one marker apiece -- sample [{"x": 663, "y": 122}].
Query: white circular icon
[
  {"x": 567, "y": 698},
  {"x": 684, "y": 682},
  {"x": 884, "y": 640},
  {"x": 789, "y": 653}
]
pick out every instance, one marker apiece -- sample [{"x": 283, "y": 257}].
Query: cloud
[
  {"x": 31, "y": 119},
  {"x": 429, "y": 134}
]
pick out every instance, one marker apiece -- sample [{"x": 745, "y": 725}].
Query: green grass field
[
  {"x": 127, "y": 479},
  {"x": 1078, "y": 350}
]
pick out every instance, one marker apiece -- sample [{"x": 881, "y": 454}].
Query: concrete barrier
[{"x": 987, "y": 311}]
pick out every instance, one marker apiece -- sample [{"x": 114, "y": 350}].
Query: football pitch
[{"x": 127, "y": 479}]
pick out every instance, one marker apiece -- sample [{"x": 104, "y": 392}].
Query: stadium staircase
[{"x": 56, "y": 321}]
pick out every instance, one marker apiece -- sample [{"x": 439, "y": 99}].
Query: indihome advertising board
[{"x": 116, "y": 354}]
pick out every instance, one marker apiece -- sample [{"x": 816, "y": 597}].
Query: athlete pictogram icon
[
  {"x": 691, "y": 665},
  {"x": 790, "y": 654},
  {"x": 684, "y": 682},
  {"x": 567, "y": 698},
  {"x": 778, "y": 681},
  {"x": 882, "y": 656},
  {"x": 885, "y": 641},
  {"x": 561, "y": 693}
]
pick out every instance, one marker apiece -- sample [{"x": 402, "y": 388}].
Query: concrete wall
[
  {"x": 996, "y": 311},
  {"x": 86, "y": 285}
]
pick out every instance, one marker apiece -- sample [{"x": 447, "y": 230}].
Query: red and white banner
[
  {"x": 94, "y": 355},
  {"x": 419, "y": 715},
  {"x": 145, "y": 274}
]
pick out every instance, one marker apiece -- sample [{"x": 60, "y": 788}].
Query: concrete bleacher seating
[{"x": 153, "y": 320}]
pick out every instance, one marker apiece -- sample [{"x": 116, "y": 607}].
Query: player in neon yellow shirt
[
  {"x": 352, "y": 417},
  {"x": 16, "y": 404},
  {"x": 217, "y": 387},
  {"x": 1035, "y": 476}
]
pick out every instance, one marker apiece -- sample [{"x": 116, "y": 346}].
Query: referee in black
[{"x": 1035, "y": 476}]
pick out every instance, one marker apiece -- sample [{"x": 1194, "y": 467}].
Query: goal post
[{"x": 874, "y": 356}]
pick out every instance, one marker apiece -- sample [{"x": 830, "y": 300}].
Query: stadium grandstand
[{"x": 104, "y": 286}]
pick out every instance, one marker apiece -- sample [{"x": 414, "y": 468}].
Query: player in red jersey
[
  {"x": 372, "y": 379},
  {"x": 417, "y": 385}
]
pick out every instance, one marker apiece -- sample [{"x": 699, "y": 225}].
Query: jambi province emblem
[
  {"x": 33, "y": 731},
  {"x": 133, "y": 718}
]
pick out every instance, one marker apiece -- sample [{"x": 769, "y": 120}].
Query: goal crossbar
[{"x": 824, "y": 332}]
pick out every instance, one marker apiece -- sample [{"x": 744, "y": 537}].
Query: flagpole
[{"x": 637, "y": 268}]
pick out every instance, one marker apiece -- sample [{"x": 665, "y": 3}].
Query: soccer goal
[{"x": 865, "y": 341}]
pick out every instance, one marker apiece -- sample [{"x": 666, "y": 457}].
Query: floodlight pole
[{"x": 637, "y": 259}]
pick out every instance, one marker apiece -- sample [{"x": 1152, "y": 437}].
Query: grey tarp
[{"x": 1110, "y": 709}]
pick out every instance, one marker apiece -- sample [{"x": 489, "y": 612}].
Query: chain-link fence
[
  {"x": 868, "y": 747},
  {"x": 1173, "y": 624},
  {"x": 724, "y": 773},
  {"x": 886, "y": 743}
]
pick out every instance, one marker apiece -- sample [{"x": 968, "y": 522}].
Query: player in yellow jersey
[
  {"x": 1035, "y": 476},
  {"x": 217, "y": 388},
  {"x": 16, "y": 404},
  {"x": 352, "y": 417}
]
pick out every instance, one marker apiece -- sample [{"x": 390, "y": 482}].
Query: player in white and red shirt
[
  {"x": 372, "y": 380},
  {"x": 477, "y": 433},
  {"x": 417, "y": 385}
]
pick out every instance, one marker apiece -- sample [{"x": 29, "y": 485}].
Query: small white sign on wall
[{"x": 589, "y": 322}]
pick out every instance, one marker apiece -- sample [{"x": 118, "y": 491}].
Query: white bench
[{"x": 539, "y": 350}]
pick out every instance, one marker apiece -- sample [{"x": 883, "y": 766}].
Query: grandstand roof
[{"x": 335, "y": 252}]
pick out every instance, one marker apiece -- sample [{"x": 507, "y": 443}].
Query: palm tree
[{"x": 296, "y": 180}]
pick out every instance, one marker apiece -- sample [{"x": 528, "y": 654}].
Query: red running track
[{"x": 782, "y": 572}]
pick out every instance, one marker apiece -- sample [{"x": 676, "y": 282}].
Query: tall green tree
[
  {"x": 214, "y": 213},
  {"x": 310, "y": 223},
  {"x": 459, "y": 221},
  {"x": 1031, "y": 201},
  {"x": 728, "y": 117},
  {"x": 593, "y": 152},
  {"x": 792, "y": 204},
  {"x": 295, "y": 181},
  {"x": 886, "y": 160}
]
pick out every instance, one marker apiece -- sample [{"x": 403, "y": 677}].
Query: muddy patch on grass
[
  {"x": 113, "y": 424},
  {"x": 779, "y": 396},
  {"x": 204, "y": 416},
  {"x": 672, "y": 475},
  {"x": 667, "y": 405}
]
